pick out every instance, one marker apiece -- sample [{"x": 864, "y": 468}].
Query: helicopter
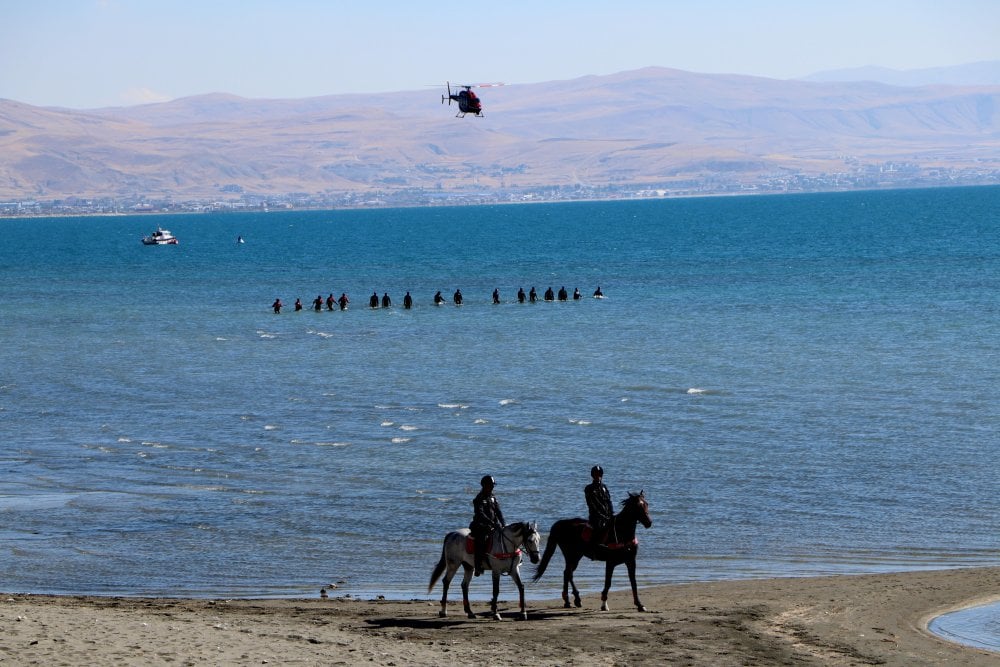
[{"x": 468, "y": 101}]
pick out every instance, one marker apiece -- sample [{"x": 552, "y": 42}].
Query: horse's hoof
[
  {"x": 470, "y": 615},
  {"x": 641, "y": 608},
  {"x": 578, "y": 602},
  {"x": 497, "y": 617},
  {"x": 605, "y": 607},
  {"x": 443, "y": 614},
  {"x": 524, "y": 616},
  {"x": 567, "y": 605}
]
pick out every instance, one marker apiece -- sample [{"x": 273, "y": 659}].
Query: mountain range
[{"x": 658, "y": 128}]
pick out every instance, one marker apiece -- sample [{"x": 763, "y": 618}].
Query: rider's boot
[{"x": 478, "y": 559}]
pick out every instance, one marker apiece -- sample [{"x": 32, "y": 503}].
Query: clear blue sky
[{"x": 93, "y": 53}]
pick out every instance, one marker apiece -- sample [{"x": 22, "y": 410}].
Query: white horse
[{"x": 504, "y": 558}]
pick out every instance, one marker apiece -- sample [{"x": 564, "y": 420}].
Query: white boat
[{"x": 160, "y": 237}]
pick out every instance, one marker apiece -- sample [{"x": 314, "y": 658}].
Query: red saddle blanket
[
  {"x": 600, "y": 539},
  {"x": 493, "y": 548}
]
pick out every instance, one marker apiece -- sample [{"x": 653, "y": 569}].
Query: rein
[{"x": 503, "y": 542}]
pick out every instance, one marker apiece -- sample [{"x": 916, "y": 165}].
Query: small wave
[
  {"x": 220, "y": 338},
  {"x": 696, "y": 390},
  {"x": 453, "y": 406},
  {"x": 400, "y": 441},
  {"x": 123, "y": 439},
  {"x": 580, "y": 422},
  {"x": 270, "y": 427},
  {"x": 406, "y": 427},
  {"x": 508, "y": 401},
  {"x": 387, "y": 423},
  {"x": 481, "y": 421},
  {"x": 333, "y": 444}
]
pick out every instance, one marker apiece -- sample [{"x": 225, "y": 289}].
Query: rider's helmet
[
  {"x": 487, "y": 482},
  {"x": 597, "y": 471}
]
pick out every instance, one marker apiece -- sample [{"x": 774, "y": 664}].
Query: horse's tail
[
  {"x": 550, "y": 548},
  {"x": 440, "y": 567}
]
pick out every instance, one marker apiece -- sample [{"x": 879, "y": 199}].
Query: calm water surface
[{"x": 800, "y": 384}]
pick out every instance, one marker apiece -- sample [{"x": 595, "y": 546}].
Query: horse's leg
[
  {"x": 516, "y": 576},
  {"x": 496, "y": 594},
  {"x": 569, "y": 583},
  {"x": 630, "y": 564},
  {"x": 609, "y": 569},
  {"x": 465, "y": 589},
  {"x": 449, "y": 574},
  {"x": 444, "y": 594}
]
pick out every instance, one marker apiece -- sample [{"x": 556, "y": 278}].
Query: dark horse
[{"x": 572, "y": 536}]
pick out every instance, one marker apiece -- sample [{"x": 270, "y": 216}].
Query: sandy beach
[{"x": 839, "y": 620}]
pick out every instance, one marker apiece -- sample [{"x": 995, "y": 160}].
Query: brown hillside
[{"x": 647, "y": 127}]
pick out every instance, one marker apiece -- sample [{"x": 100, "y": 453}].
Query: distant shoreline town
[{"x": 886, "y": 177}]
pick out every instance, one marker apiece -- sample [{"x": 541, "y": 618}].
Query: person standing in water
[{"x": 407, "y": 301}]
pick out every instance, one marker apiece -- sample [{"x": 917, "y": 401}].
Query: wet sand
[{"x": 841, "y": 620}]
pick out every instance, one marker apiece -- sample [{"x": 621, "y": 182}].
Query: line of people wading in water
[{"x": 341, "y": 303}]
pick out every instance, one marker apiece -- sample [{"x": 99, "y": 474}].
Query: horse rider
[
  {"x": 486, "y": 518},
  {"x": 602, "y": 510}
]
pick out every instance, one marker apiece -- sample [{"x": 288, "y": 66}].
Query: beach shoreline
[{"x": 832, "y": 620}]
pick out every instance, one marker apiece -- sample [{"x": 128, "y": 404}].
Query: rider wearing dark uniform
[
  {"x": 602, "y": 511},
  {"x": 486, "y": 518}
]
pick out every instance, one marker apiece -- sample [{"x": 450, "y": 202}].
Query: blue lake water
[
  {"x": 976, "y": 626},
  {"x": 801, "y": 385}
]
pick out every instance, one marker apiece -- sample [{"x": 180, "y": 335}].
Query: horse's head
[
  {"x": 532, "y": 540},
  {"x": 637, "y": 505}
]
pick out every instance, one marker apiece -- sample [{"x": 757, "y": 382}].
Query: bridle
[{"x": 525, "y": 529}]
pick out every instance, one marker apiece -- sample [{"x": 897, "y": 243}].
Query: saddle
[
  {"x": 594, "y": 538},
  {"x": 494, "y": 547}
]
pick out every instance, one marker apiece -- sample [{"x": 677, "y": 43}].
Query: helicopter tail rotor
[{"x": 448, "y": 96}]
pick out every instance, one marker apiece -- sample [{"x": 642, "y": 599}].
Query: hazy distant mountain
[
  {"x": 655, "y": 127},
  {"x": 985, "y": 73}
]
